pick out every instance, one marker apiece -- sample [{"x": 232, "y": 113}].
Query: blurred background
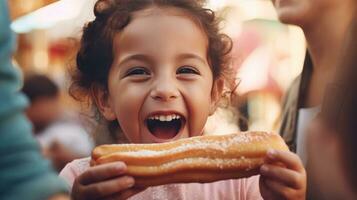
[{"x": 267, "y": 54}]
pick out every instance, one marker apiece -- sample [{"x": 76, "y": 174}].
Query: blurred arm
[{"x": 24, "y": 174}]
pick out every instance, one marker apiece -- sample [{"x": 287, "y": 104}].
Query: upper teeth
[{"x": 164, "y": 117}]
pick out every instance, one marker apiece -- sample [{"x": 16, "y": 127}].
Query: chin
[{"x": 291, "y": 16}]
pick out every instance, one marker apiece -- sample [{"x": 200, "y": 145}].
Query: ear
[
  {"x": 216, "y": 95},
  {"x": 103, "y": 102}
]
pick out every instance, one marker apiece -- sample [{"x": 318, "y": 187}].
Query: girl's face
[
  {"x": 160, "y": 83},
  {"x": 302, "y": 12}
]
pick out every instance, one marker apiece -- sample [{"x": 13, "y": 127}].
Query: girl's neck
[{"x": 325, "y": 38}]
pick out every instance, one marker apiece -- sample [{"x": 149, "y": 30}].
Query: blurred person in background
[
  {"x": 60, "y": 134},
  {"x": 325, "y": 24},
  {"x": 44, "y": 96},
  {"x": 24, "y": 174},
  {"x": 332, "y": 136}
]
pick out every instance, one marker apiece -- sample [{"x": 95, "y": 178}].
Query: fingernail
[
  {"x": 271, "y": 153},
  {"x": 130, "y": 181},
  {"x": 264, "y": 168},
  {"x": 120, "y": 167}
]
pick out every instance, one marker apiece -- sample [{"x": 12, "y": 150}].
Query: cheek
[
  {"x": 127, "y": 106},
  {"x": 198, "y": 98}
]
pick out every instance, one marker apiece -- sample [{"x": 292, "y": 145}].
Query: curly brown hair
[{"x": 95, "y": 55}]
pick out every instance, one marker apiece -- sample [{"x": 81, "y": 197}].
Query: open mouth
[{"x": 165, "y": 126}]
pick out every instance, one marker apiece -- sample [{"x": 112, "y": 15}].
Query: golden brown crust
[{"x": 196, "y": 159}]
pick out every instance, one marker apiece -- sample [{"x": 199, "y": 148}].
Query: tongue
[{"x": 164, "y": 132}]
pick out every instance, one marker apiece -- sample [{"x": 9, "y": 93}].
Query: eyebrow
[
  {"x": 191, "y": 56},
  {"x": 140, "y": 57},
  {"x": 147, "y": 58}
]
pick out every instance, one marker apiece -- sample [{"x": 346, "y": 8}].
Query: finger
[
  {"x": 102, "y": 172},
  {"x": 287, "y": 177},
  {"x": 109, "y": 187},
  {"x": 264, "y": 190},
  {"x": 289, "y": 159},
  {"x": 77, "y": 192},
  {"x": 279, "y": 189},
  {"x": 125, "y": 194}
]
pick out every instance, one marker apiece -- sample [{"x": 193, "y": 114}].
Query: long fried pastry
[{"x": 197, "y": 159}]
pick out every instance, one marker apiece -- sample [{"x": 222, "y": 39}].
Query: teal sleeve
[{"x": 24, "y": 173}]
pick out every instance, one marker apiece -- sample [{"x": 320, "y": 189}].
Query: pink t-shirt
[{"x": 239, "y": 189}]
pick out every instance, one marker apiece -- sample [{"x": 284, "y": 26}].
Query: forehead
[
  {"x": 164, "y": 12},
  {"x": 155, "y": 28}
]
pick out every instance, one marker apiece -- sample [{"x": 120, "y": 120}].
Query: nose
[{"x": 164, "y": 90}]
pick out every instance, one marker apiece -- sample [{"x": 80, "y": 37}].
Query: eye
[
  {"x": 137, "y": 71},
  {"x": 187, "y": 70}
]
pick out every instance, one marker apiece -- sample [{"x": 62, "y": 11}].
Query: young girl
[{"x": 157, "y": 69}]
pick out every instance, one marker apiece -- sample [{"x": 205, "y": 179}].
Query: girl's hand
[
  {"x": 282, "y": 176},
  {"x": 107, "y": 181}
]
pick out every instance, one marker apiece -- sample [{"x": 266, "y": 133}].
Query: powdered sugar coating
[
  {"x": 213, "y": 162},
  {"x": 220, "y": 145}
]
